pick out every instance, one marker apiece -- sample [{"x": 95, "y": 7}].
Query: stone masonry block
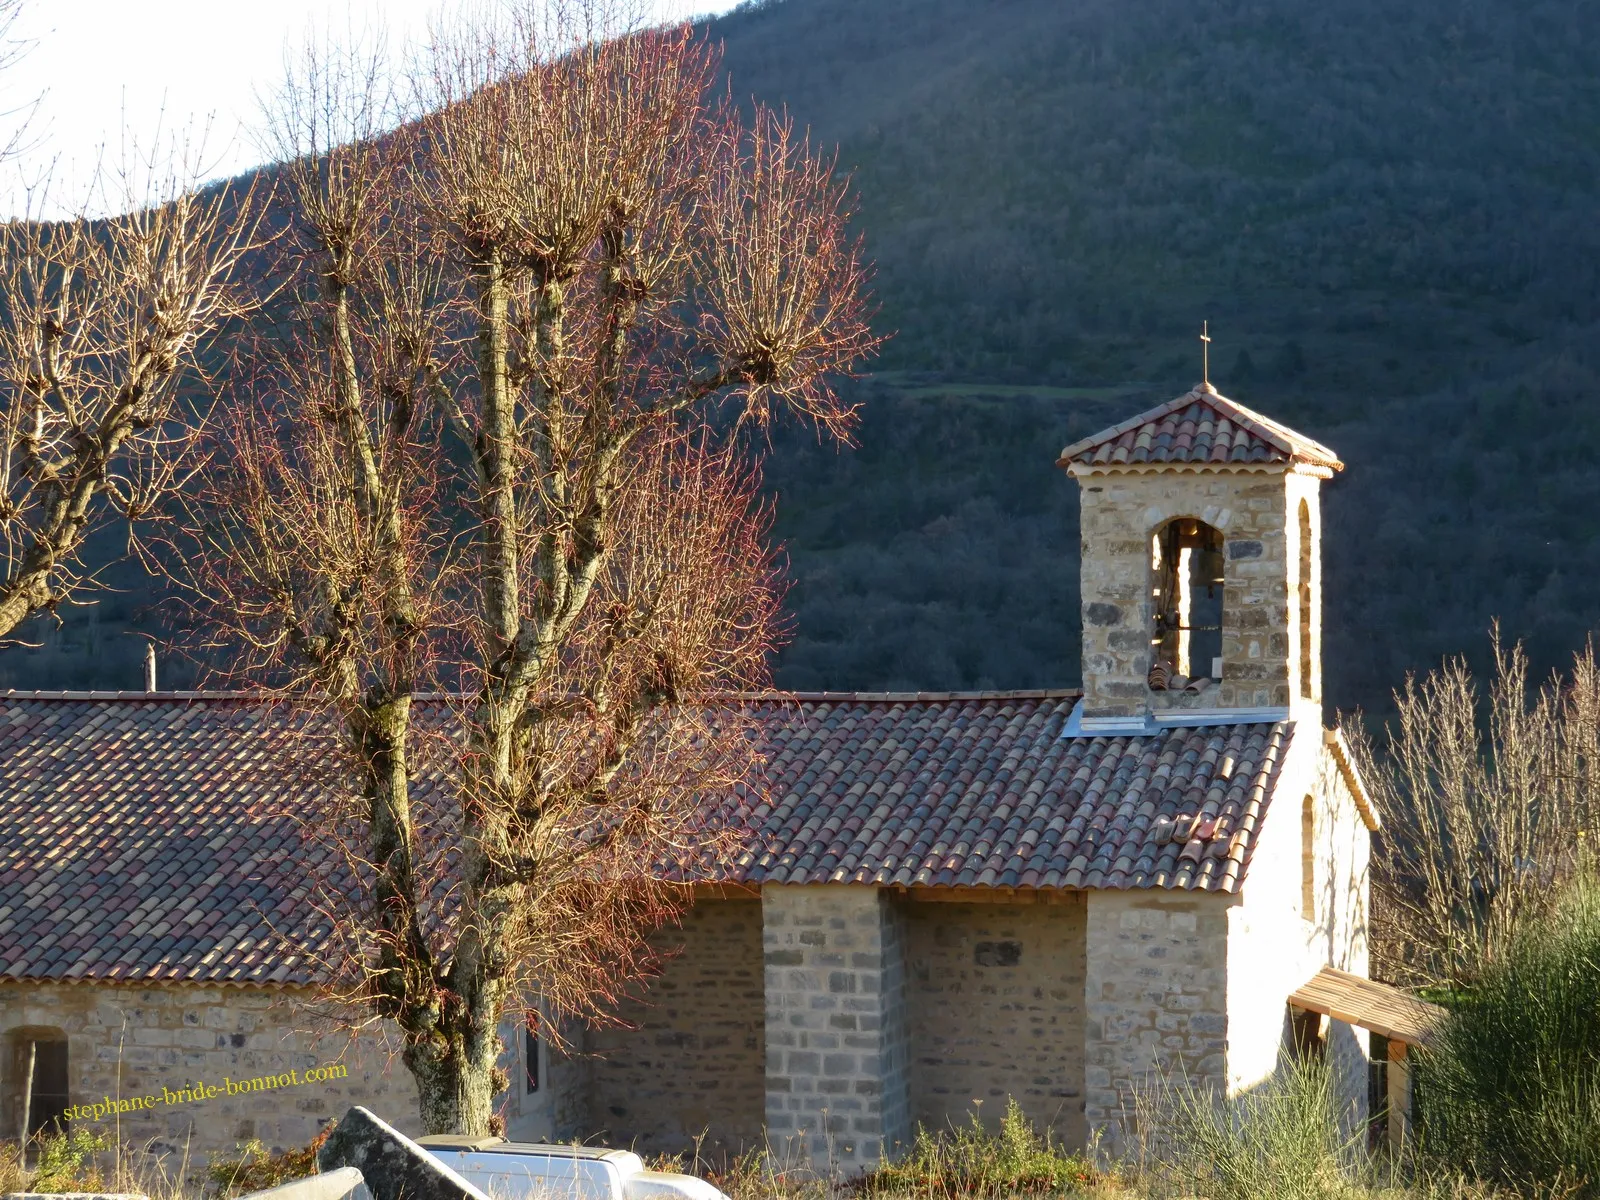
[
  {"x": 1143, "y": 1017},
  {"x": 842, "y": 998},
  {"x": 170, "y": 1040}
]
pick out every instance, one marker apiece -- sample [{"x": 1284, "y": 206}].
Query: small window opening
[
  {"x": 39, "y": 1094},
  {"x": 1186, "y": 643},
  {"x": 530, "y": 1060},
  {"x": 1308, "y": 860},
  {"x": 1305, "y": 600}
]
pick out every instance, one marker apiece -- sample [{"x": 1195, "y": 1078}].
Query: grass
[
  {"x": 970, "y": 1161},
  {"x": 1278, "y": 1141},
  {"x": 256, "y": 1169},
  {"x": 82, "y": 1161},
  {"x": 964, "y": 1161},
  {"x": 71, "y": 1162}
]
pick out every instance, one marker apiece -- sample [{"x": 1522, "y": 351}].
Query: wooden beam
[
  {"x": 987, "y": 895},
  {"x": 1398, "y": 1075}
]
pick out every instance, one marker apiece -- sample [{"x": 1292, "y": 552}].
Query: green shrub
[
  {"x": 255, "y": 1169},
  {"x": 65, "y": 1162},
  {"x": 1510, "y": 1087},
  {"x": 969, "y": 1161}
]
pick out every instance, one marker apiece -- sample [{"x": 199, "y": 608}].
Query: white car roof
[{"x": 498, "y": 1145}]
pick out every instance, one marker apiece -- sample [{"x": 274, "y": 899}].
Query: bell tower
[{"x": 1201, "y": 567}]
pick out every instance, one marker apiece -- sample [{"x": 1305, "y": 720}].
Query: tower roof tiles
[{"x": 1202, "y": 427}]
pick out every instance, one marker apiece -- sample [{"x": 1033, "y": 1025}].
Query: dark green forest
[{"x": 1386, "y": 212}]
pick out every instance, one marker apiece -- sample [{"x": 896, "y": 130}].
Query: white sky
[{"x": 99, "y": 66}]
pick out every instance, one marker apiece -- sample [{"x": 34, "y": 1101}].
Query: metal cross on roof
[{"x": 1205, "y": 352}]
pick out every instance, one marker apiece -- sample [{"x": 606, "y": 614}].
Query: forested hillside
[{"x": 1386, "y": 212}]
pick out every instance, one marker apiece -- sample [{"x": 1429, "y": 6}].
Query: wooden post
[
  {"x": 27, "y": 1098},
  {"x": 1399, "y": 1073}
]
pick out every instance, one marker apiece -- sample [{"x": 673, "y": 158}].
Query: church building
[{"x": 943, "y": 899}]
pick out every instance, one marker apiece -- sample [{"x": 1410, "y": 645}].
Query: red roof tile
[
  {"x": 142, "y": 837},
  {"x": 1199, "y": 427},
  {"x": 985, "y": 792},
  {"x": 131, "y": 845}
]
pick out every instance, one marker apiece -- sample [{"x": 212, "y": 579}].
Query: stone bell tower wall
[{"x": 1257, "y": 512}]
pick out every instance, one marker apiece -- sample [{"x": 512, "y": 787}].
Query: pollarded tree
[
  {"x": 496, "y": 464},
  {"x": 100, "y": 326}
]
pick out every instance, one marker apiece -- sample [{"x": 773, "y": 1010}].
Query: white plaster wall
[
  {"x": 1272, "y": 948},
  {"x": 559, "y": 1110}
]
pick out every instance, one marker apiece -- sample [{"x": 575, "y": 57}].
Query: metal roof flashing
[{"x": 1148, "y": 724}]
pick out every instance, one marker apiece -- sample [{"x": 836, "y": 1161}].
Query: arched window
[
  {"x": 1308, "y": 860},
  {"x": 1186, "y": 590},
  {"x": 1305, "y": 600}
]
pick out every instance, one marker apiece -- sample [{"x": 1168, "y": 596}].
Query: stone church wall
[
  {"x": 133, "y": 1041},
  {"x": 694, "y": 1059},
  {"x": 1156, "y": 998},
  {"x": 995, "y": 1010}
]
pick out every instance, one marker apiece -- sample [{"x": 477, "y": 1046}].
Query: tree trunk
[
  {"x": 27, "y": 1098},
  {"x": 17, "y": 605},
  {"x": 455, "y": 1074}
]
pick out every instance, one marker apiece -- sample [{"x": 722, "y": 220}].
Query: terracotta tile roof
[
  {"x": 131, "y": 845},
  {"x": 1199, "y": 427},
  {"x": 985, "y": 792},
  {"x": 141, "y": 836}
]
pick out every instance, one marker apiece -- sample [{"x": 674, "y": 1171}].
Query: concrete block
[
  {"x": 393, "y": 1166},
  {"x": 343, "y": 1183}
]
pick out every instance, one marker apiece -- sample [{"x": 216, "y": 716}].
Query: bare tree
[
  {"x": 101, "y": 323},
  {"x": 492, "y": 509},
  {"x": 12, "y": 50},
  {"x": 1487, "y": 807}
]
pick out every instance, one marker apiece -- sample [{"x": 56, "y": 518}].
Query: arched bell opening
[{"x": 1187, "y": 585}]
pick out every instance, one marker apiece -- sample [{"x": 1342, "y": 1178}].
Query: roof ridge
[
  {"x": 141, "y": 694},
  {"x": 771, "y": 694},
  {"x": 911, "y": 697},
  {"x": 1290, "y": 440},
  {"x": 1133, "y": 422}
]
